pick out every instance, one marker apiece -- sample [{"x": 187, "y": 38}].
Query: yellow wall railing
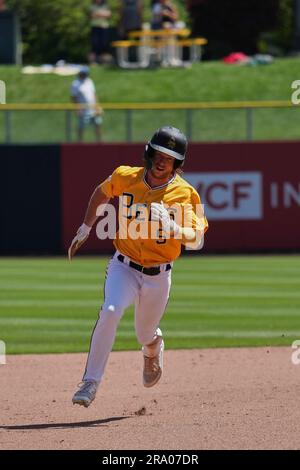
[{"x": 141, "y": 106}]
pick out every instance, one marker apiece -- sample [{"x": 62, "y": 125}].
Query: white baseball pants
[{"x": 125, "y": 286}]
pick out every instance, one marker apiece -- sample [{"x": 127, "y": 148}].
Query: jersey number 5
[{"x": 161, "y": 239}]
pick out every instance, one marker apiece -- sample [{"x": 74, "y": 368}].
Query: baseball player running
[{"x": 140, "y": 271}]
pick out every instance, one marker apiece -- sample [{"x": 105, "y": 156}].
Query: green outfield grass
[
  {"x": 206, "y": 81},
  {"x": 51, "y": 305}
]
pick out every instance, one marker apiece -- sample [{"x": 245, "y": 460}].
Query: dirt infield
[{"x": 207, "y": 399}]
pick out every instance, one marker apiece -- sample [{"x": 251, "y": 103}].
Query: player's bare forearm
[{"x": 97, "y": 199}]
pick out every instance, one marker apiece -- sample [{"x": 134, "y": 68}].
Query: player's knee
[{"x": 111, "y": 313}]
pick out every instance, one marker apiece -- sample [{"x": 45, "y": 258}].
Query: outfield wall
[{"x": 251, "y": 193}]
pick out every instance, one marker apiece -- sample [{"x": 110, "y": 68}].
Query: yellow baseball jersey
[{"x": 137, "y": 237}]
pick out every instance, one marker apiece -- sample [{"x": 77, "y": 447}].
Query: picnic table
[{"x": 166, "y": 46}]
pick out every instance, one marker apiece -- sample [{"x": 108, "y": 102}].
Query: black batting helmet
[{"x": 170, "y": 141}]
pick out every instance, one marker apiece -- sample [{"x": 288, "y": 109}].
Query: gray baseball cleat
[
  {"x": 86, "y": 394},
  {"x": 153, "y": 367}
]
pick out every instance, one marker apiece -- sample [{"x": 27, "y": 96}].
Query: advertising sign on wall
[{"x": 250, "y": 191}]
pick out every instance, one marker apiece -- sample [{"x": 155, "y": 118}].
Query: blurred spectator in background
[
  {"x": 100, "y": 16},
  {"x": 164, "y": 14},
  {"x": 130, "y": 17},
  {"x": 3, "y": 6},
  {"x": 83, "y": 91}
]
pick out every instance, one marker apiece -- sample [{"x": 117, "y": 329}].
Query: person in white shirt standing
[{"x": 83, "y": 91}]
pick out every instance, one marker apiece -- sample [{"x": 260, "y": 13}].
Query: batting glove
[
  {"x": 160, "y": 214},
  {"x": 81, "y": 236}
]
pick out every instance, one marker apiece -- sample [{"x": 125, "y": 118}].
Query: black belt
[{"x": 149, "y": 271}]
